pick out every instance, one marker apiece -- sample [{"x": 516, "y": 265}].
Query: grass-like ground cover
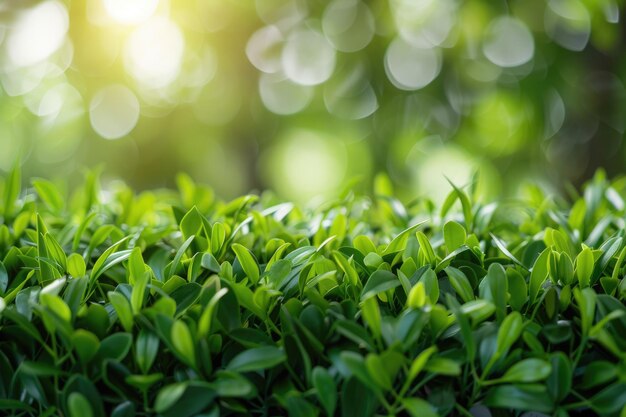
[{"x": 174, "y": 303}]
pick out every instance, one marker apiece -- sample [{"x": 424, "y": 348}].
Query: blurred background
[{"x": 303, "y": 95}]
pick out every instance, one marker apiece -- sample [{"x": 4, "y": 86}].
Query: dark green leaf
[{"x": 326, "y": 389}]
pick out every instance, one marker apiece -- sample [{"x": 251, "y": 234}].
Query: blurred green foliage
[{"x": 303, "y": 95}]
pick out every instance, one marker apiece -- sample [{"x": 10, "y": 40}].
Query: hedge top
[{"x": 178, "y": 304}]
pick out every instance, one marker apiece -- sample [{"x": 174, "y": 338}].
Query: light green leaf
[
  {"x": 417, "y": 407},
  {"x": 247, "y": 261},
  {"x": 257, "y": 359},
  {"x": 76, "y": 265},
  {"x": 528, "y": 370},
  {"x": 122, "y": 308},
  {"x": 183, "y": 342},
  {"x": 454, "y": 235},
  {"x": 78, "y": 405}
]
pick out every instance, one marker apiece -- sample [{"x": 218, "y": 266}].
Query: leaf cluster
[{"x": 174, "y": 303}]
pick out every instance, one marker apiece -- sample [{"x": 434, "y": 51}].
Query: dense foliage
[{"x": 177, "y": 304}]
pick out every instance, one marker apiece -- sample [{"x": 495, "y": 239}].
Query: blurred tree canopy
[{"x": 302, "y": 95}]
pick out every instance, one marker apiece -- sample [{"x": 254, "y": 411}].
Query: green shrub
[{"x": 177, "y": 304}]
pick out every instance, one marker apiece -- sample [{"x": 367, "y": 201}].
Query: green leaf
[
  {"x": 78, "y": 405},
  {"x": 466, "y": 331},
  {"x": 502, "y": 246},
  {"x": 420, "y": 362},
  {"x": 143, "y": 382},
  {"x": 81, "y": 384},
  {"x": 398, "y": 243},
  {"x": 517, "y": 288},
  {"x": 426, "y": 248},
  {"x": 584, "y": 267},
  {"x": 498, "y": 286},
  {"x": 191, "y": 223},
  {"x": 4, "y": 279},
  {"x": 371, "y": 316},
  {"x": 168, "y": 396},
  {"x": 109, "y": 258},
  {"x": 218, "y": 236},
  {"x": 508, "y": 333},
  {"x": 356, "y": 399},
  {"x": 46, "y": 271},
  {"x": 559, "y": 382},
  {"x": 460, "y": 283},
  {"x": 610, "y": 400},
  {"x": 518, "y": 397},
  {"x": 76, "y": 265},
  {"x": 417, "y": 296},
  {"x": 56, "y": 305},
  {"x": 417, "y": 407},
  {"x": 326, "y": 389},
  {"x": 204, "y": 324},
  {"x": 115, "y": 346},
  {"x": 209, "y": 262},
  {"x": 232, "y": 384},
  {"x": 122, "y": 308},
  {"x": 478, "y": 310},
  {"x": 49, "y": 194},
  {"x": 454, "y": 235},
  {"x": 183, "y": 342},
  {"x": 465, "y": 205},
  {"x": 431, "y": 284},
  {"x": 12, "y": 189},
  {"x": 373, "y": 260},
  {"x": 125, "y": 409},
  {"x": 246, "y": 298},
  {"x": 356, "y": 365},
  {"x": 586, "y": 300},
  {"x": 609, "y": 249},
  {"x": 377, "y": 372},
  {"x": 39, "y": 369},
  {"x": 598, "y": 373},
  {"x": 146, "y": 350},
  {"x": 443, "y": 366},
  {"x": 257, "y": 359},
  {"x": 136, "y": 265},
  {"x": 138, "y": 293},
  {"x": 538, "y": 275},
  {"x": 380, "y": 281},
  {"x": 179, "y": 256},
  {"x": 247, "y": 262},
  {"x": 299, "y": 407},
  {"x": 86, "y": 345},
  {"x": 528, "y": 370}
]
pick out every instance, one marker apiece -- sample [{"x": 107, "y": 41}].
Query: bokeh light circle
[
  {"x": 264, "y": 48},
  {"x": 37, "y": 33},
  {"x": 508, "y": 42},
  {"x": 130, "y": 11},
  {"x": 114, "y": 111},
  {"x": 409, "y": 67},
  {"x": 308, "y": 58},
  {"x": 568, "y": 23},
  {"x": 424, "y": 23},
  {"x": 280, "y": 95},
  {"x": 348, "y": 24},
  {"x": 305, "y": 164},
  {"x": 154, "y": 52}
]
